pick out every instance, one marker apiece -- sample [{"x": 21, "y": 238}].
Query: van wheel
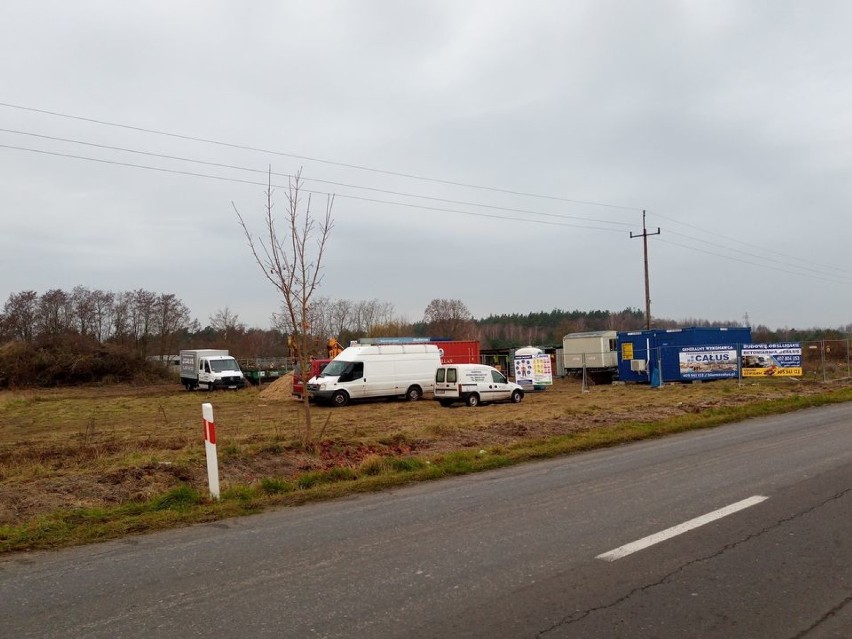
[
  {"x": 413, "y": 394},
  {"x": 340, "y": 398},
  {"x": 517, "y": 396},
  {"x": 472, "y": 400}
]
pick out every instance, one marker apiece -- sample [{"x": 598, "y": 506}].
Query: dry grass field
[{"x": 109, "y": 450}]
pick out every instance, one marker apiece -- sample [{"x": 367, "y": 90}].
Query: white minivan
[
  {"x": 392, "y": 370},
  {"x": 474, "y": 384}
]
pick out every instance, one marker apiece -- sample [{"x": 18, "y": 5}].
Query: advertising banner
[
  {"x": 772, "y": 360},
  {"x": 708, "y": 362},
  {"x": 533, "y": 370}
]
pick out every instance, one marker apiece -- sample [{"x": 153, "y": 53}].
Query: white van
[
  {"x": 393, "y": 370},
  {"x": 474, "y": 384}
]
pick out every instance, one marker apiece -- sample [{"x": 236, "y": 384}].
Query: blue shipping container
[{"x": 681, "y": 354}]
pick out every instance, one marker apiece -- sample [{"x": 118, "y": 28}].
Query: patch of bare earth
[{"x": 102, "y": 446}]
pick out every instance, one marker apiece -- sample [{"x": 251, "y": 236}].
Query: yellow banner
[{"x": 773, "y": 371}]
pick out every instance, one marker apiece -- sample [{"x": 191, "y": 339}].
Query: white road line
[{"x": 668, "y": 533}]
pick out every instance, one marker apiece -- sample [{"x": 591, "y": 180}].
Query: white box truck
[
  {"x": 360, "y": 372},
  {"x": 209, "y": 368}
]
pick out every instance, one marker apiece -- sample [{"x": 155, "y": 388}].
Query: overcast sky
[{"x": 500, "y": 153}]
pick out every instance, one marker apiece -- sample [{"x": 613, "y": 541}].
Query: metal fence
[
  {"x": 826, "y": 359},
  {"x": 822, "y": 360}
]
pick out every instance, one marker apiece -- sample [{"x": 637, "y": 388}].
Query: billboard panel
[
  {"x": 708, "y": 362},
  {"x": 533, "y": 370},
  {"x": 772, "y": 360}
]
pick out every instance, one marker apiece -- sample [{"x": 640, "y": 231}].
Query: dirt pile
[{"x": 281, "y": 388}]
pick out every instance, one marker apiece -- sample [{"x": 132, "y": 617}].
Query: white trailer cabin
[{"x": 594, "y": 351}]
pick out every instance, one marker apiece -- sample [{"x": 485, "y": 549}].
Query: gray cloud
[{"x": 727, "y": 121}]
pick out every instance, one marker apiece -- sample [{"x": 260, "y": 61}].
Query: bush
[{"x": 69, "y": 361}]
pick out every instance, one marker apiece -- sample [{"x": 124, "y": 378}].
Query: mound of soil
[{"x": 281, "y": 388}]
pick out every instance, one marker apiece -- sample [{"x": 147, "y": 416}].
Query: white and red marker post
[{"x": 210, "y": 449}]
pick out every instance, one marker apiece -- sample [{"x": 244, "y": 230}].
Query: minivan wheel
[
  {"x": 413, "y": 394},
  {"x": 516, "y": 396},
  {"x": 472, "y": 400},
  {"x": 340, "y": 398}
]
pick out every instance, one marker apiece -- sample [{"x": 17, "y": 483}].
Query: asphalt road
[{"x": 519, "y": 552}]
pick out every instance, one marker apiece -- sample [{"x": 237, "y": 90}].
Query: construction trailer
[
  {"x": 681, "y": 354},
  {"x": 594, "y": 353}
]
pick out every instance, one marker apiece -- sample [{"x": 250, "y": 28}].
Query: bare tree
[
  {"x": 227, "y": 324},
  {"x": 19, "y": 315},
  {"x": 448, "y": 318},
  {"x": 370, "y": 313},
  {"x": 290, "y": 252},
  {"x": 55, "y": 313},
  {"x": 121, "y": 317},
  {"x": 83, "y": 305},
  {"x": 102, "y": 304},
  {"x": 340, "y": 317},
  {"x": 171, "y": 317},
  {"x": 143, "y": 313}
]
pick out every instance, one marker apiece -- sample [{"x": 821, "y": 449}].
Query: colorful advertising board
[
  {"x": 533, "y": 370},
  {"x": 708, "y": 362},
  {"x": 772, "y": 360}
]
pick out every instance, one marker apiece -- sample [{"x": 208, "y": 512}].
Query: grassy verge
[{"x": 184, "y": 505}]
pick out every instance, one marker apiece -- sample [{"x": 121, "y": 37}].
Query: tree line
[{"x": 88, "y": 335}]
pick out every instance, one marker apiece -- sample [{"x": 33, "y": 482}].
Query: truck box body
[
  {"x": 209, "y": 368},
  {"x": 404, "y": 370},
  {"x": 680, "y": 355}
]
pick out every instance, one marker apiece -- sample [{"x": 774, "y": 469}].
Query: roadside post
[{"x": 210, "y": 449}]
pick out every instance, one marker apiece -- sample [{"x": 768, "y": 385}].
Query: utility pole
[{"x": 644, "y": 235}]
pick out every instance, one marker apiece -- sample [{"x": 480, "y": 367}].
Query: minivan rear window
[
  {"x": 451, "y": 376},
  {"x": 439, "y": 375}
]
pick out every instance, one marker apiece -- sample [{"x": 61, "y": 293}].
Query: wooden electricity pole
[{"x": 644, "y": 235}]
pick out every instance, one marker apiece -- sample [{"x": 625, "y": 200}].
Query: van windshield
[
  {"x": 336, "y": 368},
  {"x": 221, "y": 365}
]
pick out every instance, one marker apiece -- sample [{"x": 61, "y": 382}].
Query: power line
[
  {"x": 693, "y": 249},
  {"x": 389, "y": 192},
  {"x": 265, "y": 184},
  {"x": 347, "y": 165},
  {"x": 818, "y": 271},
  {"x": 320, "y": 181},
  {"x": 745, "y": 244}
]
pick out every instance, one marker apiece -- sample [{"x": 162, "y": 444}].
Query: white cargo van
[
  {"x": 359, "y": 372},
  {"x": 474, "y": 384}
]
